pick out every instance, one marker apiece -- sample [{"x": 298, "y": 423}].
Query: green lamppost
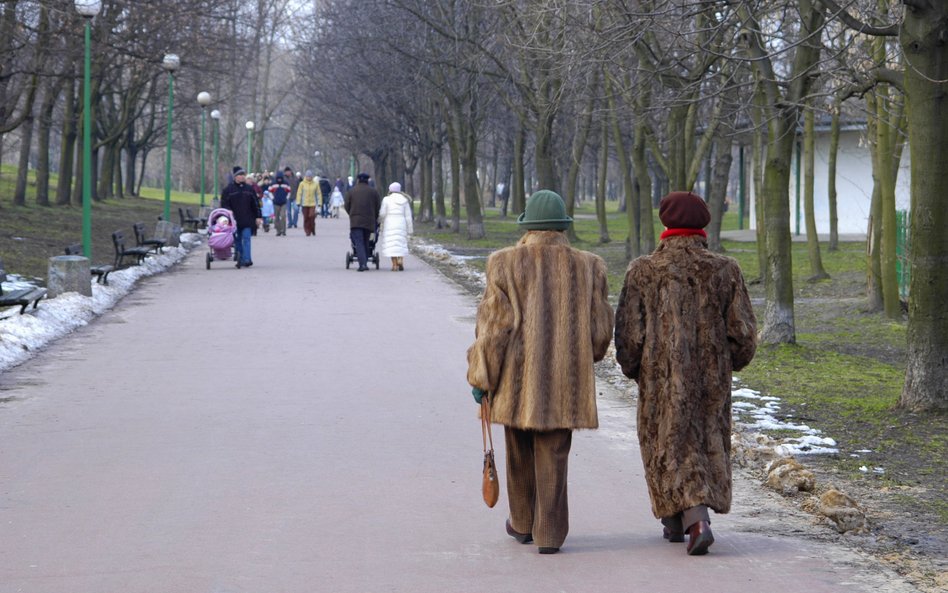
[
  {"x": 171, "y": 62},
  {"x": 216, "y": 116},
  {"x": 204, "y": 99},
  {"x": 249, "y": 125},
  {"x": 88, "y": 9}
]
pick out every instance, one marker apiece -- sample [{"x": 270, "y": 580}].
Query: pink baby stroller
[{"x": 221, "y": 229}]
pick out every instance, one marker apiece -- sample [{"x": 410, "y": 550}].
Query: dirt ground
[{"x": 905, "y": 531}]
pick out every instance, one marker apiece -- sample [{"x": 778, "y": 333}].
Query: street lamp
[
  {"x": 88, "y": 9},
  {"x": 204, "y": 99},
  {"x": 171, "y": 62},
  {"x": 249, "y": 125},
  {"x": 216, "y": 116}
]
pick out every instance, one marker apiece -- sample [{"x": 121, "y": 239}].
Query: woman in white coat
[{"x": 395, "y": 220}]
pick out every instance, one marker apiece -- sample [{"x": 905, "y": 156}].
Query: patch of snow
[
  {"x": 21, "y": 336},
  {"x": 437, "y": 252},
  {"x": 807, "y": 445}
]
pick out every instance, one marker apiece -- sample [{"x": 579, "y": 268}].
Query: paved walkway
[{"x": 298, "y": 427}]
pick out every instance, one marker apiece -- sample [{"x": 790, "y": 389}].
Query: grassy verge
[{"x": 31, "y": 234}]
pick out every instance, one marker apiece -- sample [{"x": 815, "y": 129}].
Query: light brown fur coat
[
  {"x": 542, "y": 322},
  {"x": 683, "y": 323}
]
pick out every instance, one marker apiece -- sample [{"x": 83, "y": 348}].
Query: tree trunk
[
  {"x": 831, "y": 180},
  {"x": 518, "y": 198},
  {"x": 131, "y": 155},
  {"x": 601, "y": 187},
  {"x": 68, "y": 146},
  {"x": 890, "y": 282},
  {"x": 817, "y": 272},
  {"x": 644, "y": 186},
  {"x": 632, "y": 242},
  {"x": 721, "y": 174},
  {"x": 441, "y": 216},
  {"x": 108, "y": 170},
  {"x": 472, "y": 201},
  {"x": 758, "y": 157},
  {"x": 42, "y": 143},
  {"x": 583, "y": 124},
  {"x": 779, "y": 326},
  {"x": 543, "y": 151},
  {"x": 424, "y": 201},
  {"x": 454, "y": 152},
  {"x": 922, "y": 38},
  {"x": 23, "y": 170}
]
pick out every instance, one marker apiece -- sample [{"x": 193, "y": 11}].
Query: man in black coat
[
  {"x": 240, "y": 198},
  {"x": 362, "y": 204},
  {"x": 326, "y": 188}
]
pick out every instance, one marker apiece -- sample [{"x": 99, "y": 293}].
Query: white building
[{"x": 853, "y": 183}]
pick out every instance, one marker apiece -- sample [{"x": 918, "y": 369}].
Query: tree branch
[{"x": 861, "y": 27}]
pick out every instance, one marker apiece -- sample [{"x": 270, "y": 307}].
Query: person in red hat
[{"x": 684, "y": 322}]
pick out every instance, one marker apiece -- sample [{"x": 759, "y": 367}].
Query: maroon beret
[{"x": 683, "y": 210}]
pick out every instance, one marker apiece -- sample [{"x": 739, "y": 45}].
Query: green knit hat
[{"x": 545, "y": 211}]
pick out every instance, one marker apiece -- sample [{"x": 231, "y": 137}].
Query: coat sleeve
[
  {"x": 408, "y": 218},
  {"x": 741, "y": 323},
  {"x": 495, "y": 323},
  {"x": 630, "y": 327},
  {"x": 601, "y": 314}
]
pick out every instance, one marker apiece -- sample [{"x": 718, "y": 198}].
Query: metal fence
[{"x": 903, "y": 266}]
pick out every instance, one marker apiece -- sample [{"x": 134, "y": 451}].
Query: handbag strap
[{"x": 485, "y": 422}]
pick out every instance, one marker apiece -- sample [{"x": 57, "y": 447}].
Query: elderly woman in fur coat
[
  {"x": 683, "y": 323},
  {"x": 542, "y": 322}
]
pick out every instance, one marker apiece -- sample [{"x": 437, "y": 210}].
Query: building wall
[{"x": 853, "y": 185}]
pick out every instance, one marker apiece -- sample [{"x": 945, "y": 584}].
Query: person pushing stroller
[{"x": 362, "y": 205}]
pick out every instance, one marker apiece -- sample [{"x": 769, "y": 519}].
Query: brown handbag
[{"x": 491, "y": 484}]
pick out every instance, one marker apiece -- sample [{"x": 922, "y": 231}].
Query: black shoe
[
  {"x": 700, "y": 538},
  {"x": 523, "y": 538},
  {"x": 248, "y": 264},
  {"x": 362, "y": 268},
  {"x": 545, "y": 550},
  {"x": 238, "y": 265}
]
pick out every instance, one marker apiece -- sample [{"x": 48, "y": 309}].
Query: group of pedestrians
[
  {"x": 683, "y": 323},
  {"x": 389, "y": 220}
]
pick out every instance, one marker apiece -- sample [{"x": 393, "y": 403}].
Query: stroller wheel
[
  {"x": 348, "y": 259},
  {"x": 208, "y": 259},
  {"x": 375, "y": 258}
]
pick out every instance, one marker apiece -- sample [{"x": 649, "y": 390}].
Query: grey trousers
[
  {"x": 536, "y": 483},
  {"x": 685, "y": 519}
]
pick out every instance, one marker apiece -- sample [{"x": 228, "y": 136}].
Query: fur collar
[{"x": 543, "y": 238}]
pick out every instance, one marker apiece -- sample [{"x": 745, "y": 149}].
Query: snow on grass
[{"x": 22, "y": 336}]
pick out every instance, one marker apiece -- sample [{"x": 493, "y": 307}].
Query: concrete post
[
  {"x": 170, "y": 232},
  {"x": 69, "y": 273}
]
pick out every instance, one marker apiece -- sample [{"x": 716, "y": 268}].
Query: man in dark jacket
[
  {"x": 362, "y": 205},
  {"x": 326, "y": 188},
  {"x": 280, "y": 191},
  {"x": 240, "y": 198},
  {"x": 292, "y": 206}
]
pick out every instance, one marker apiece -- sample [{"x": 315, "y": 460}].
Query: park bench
[
  {"x": 22, "y": 297},
  {"x": 146, "y": 242},
  {"x": 188, "y": 221},
  {"x": 121, "y": 251},
  {"x": 101, "y": 272}
]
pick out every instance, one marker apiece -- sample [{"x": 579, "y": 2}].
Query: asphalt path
[{"x": 299, "y": 427}]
